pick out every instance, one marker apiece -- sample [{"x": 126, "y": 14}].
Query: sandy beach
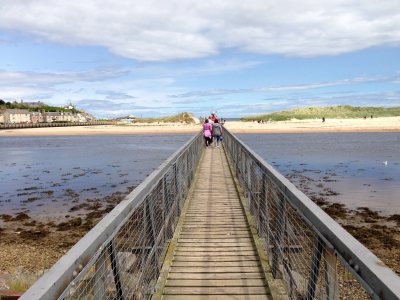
[
  {"x": 294, "y": 126},
  {"x": 316, "y": 125}
]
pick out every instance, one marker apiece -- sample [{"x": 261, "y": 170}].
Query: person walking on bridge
[
  {"x": 217, "y": 132},
  {"x": 207, "y": 133}
]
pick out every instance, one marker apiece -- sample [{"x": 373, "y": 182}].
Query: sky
[{"x": 238, "y": 58}]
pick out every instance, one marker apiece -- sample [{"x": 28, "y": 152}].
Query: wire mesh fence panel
[
  {"x": 128, "y": 261},
  {"x": 304, "y": 245}
]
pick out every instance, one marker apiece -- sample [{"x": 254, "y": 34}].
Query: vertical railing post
[
  {"x": 100, "y": 277},
  {"x": 151, "y": 220},
  {"x": 265, "y": 200},
  {"x": 152, "y": 261},
  {"x": 177, "y": 190},
  {"x": 164, "y": 208},
  {"x": 249, "y": 184},
  {"x": 331, "y": 275},
  {"x": 187, "y": 172},
  {"x": 258, "y": 197},
  {"x": 115, "y": 270},
  {"x": 314, "y": 272},
  {"x": 277, "y": 239},
  {"x": 144, "y": 239}
]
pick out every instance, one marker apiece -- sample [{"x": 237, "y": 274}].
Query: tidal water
[
  {"x": 362, "y": 168},
  {"x": 48, "y": 175}
]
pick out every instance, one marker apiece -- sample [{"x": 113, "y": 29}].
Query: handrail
[
  {"x": 293, "y": 227},
  {"x": 134, "y": 233}
]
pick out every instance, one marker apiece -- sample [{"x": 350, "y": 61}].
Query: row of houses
[{"x": 23, "y": 116}]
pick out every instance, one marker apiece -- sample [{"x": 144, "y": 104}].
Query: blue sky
[{"x": 113, "y": 58}]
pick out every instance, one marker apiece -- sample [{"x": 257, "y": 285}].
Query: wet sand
[
  {"x": 30, "y": 246},
  {"x": 378, "y": 232},
  {"x": 389, "y": 124}
]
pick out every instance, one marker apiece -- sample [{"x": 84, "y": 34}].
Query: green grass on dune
[
  {"x": 180, "y": 118},
  {"x": 331, "y": 112}
]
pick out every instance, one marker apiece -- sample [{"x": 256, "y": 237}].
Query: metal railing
[
  {"x": 121, "y": 257},
  {"x": 313, "y": 254}
]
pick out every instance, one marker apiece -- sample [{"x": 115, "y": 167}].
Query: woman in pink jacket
[{"x": 207, "y": 133}]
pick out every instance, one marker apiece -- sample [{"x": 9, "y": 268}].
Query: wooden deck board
[
  {"x": 214, "y": 256},
  {"x": 215, "y": 297},
  {"x": 215, "y": 283},
  {"x": 205, "y": 290},
  {"x": 214, "y": 276},
  {"x": 244, "y": 263}
]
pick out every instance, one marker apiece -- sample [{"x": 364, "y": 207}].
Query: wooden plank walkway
[{"x": 213, "y": 255}]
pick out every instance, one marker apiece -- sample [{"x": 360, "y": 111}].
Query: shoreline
[
  {"x": 387, "y": 124},
  {"x": 322, "y": 130}
]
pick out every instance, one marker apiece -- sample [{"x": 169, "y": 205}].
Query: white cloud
[
  {"x": 16, "y": 85},
  {"x": 283, "y": 88},
  {"x": 10, "y": 78},
  {"x": 113, "y": 95},
  {"x": 15, "y": 93},
  {"x": 174, "y": 29},
  {"x": 107, "y": 108}
]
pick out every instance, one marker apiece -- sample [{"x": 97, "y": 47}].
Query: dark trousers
[{"x": 208, "y": 140}]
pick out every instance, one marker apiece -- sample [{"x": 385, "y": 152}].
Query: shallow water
[
  {"x": 351, "y": 164},
  {"x": 48, "y": 175}
]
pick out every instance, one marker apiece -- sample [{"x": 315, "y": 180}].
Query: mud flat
[
  {"x": 28, "y": 246},
  {"x": 378, "y": 232}
]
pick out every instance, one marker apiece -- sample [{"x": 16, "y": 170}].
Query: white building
[
  {"x": 36, "y": 117},
  {"x": 17, "y": 116},
  {"x": 22, "y": 116}
]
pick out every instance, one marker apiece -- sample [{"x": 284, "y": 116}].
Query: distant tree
[{"x": 2, "y": 102}]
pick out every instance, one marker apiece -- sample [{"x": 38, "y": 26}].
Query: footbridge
[{"x": 217, "y": 223}]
